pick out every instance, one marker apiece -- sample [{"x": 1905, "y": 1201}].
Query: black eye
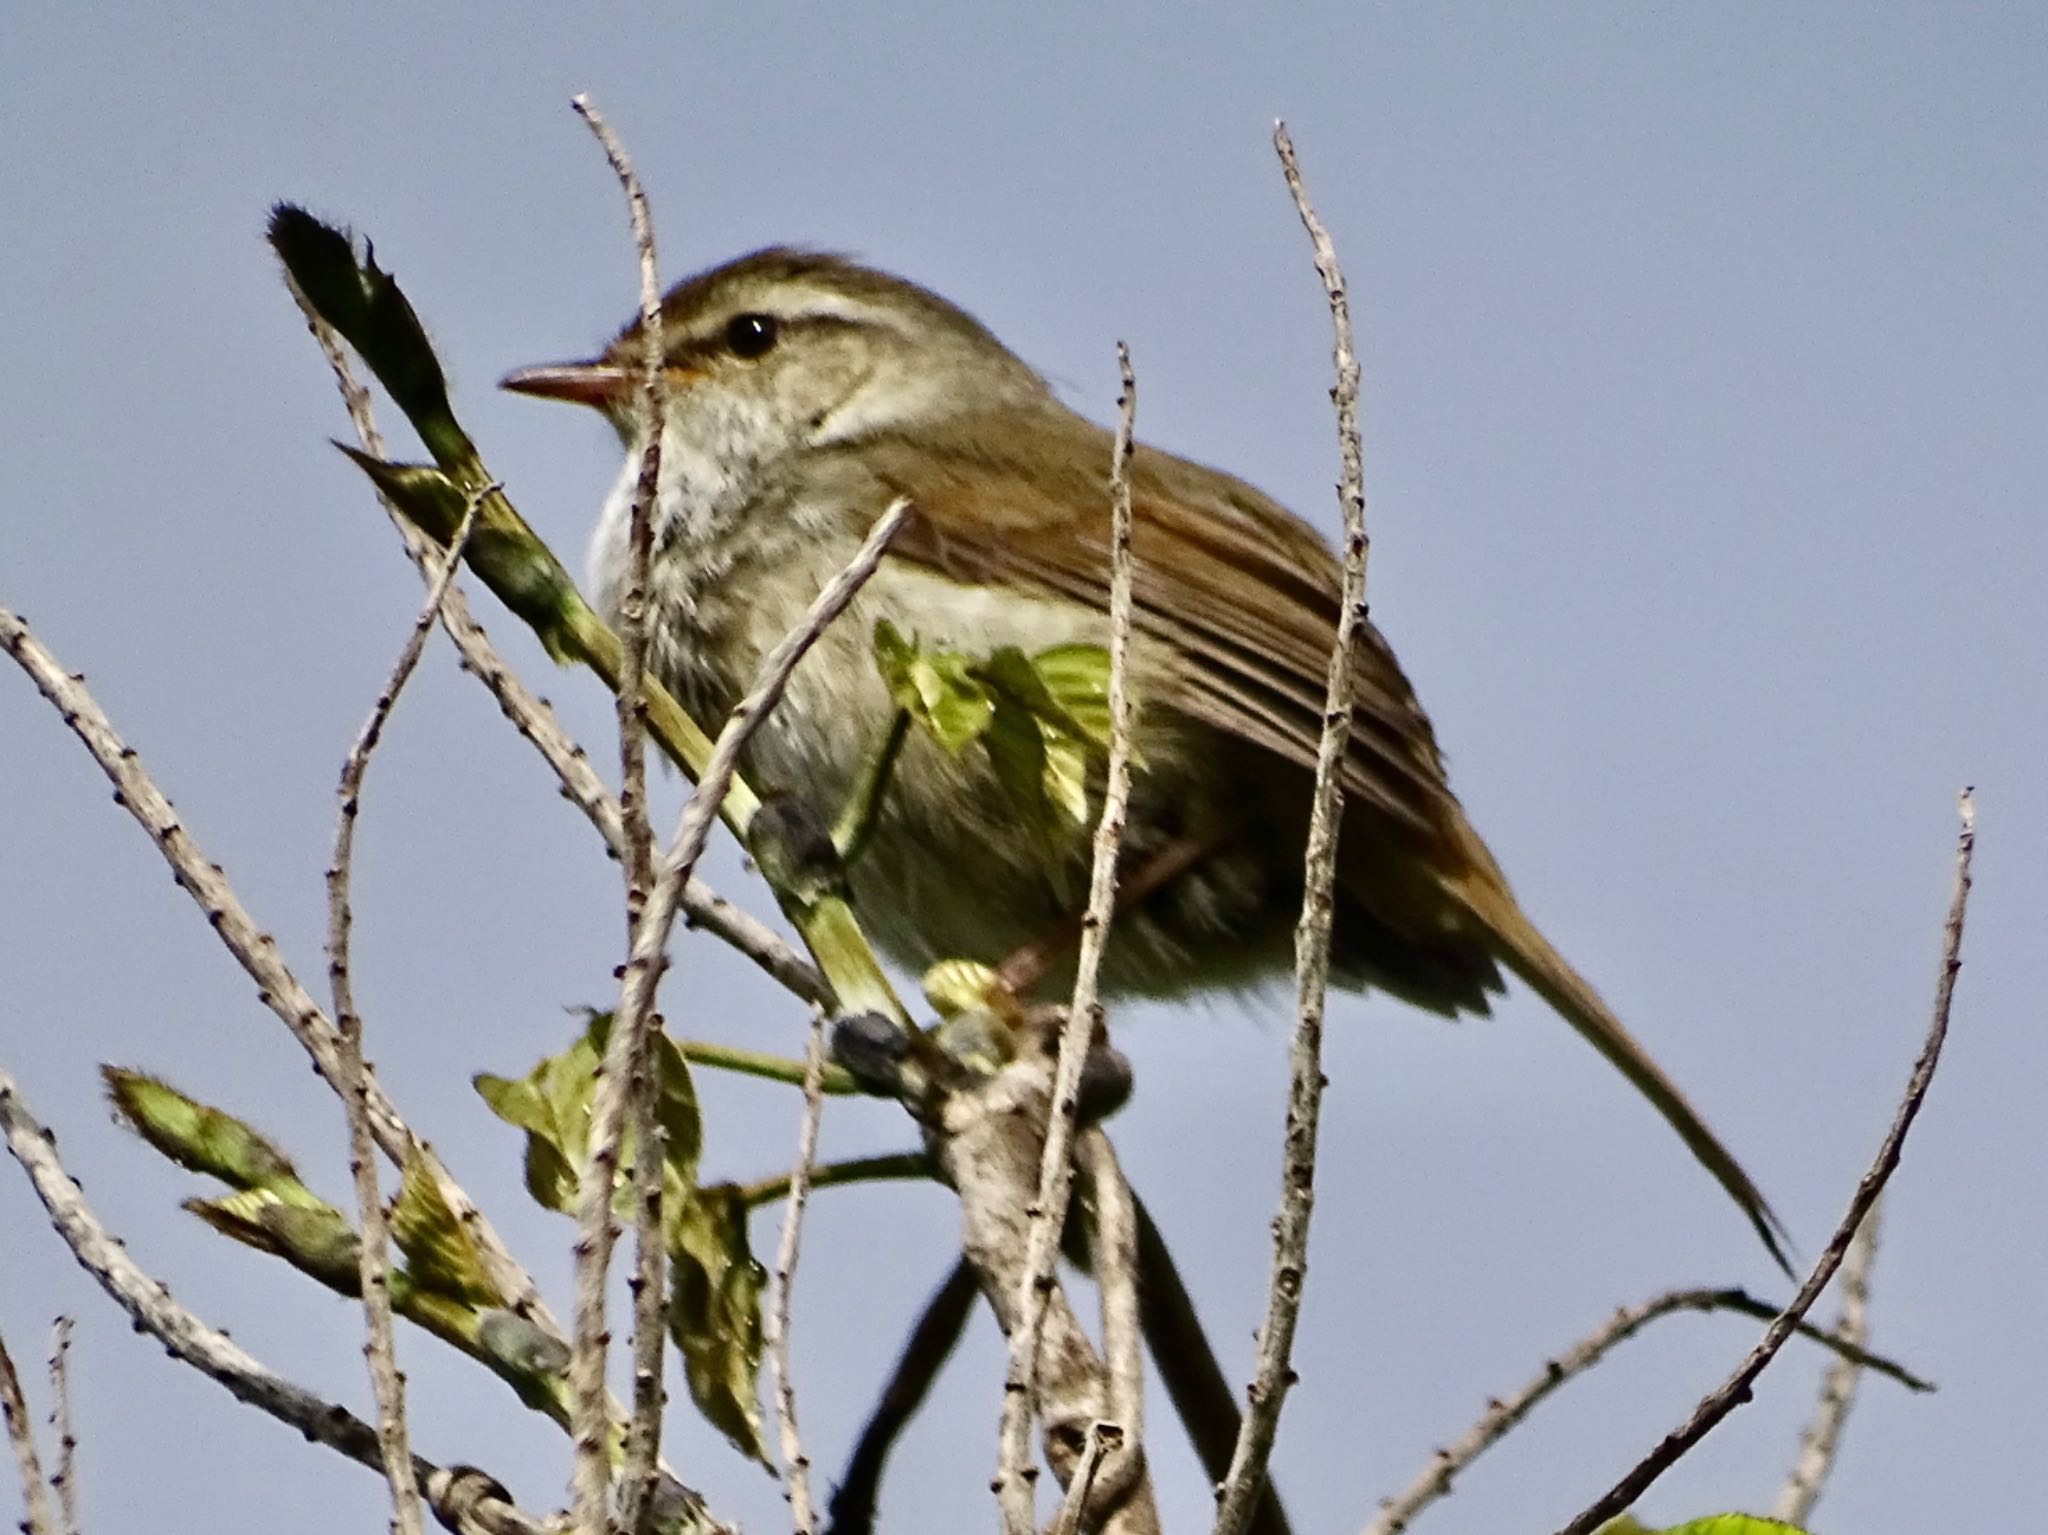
[{"x": 750, "y": 335}]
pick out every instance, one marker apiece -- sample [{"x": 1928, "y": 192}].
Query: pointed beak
[{"x": 595, "y": 384}]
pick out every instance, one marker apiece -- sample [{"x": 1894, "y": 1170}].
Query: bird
[{"x": 805, "y": 392}]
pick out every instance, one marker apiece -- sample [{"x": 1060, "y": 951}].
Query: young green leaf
[
  {"x": 202, "y": 1138},
  {"x": 715, "y": 1313},
  {"x": 1714, "y": 1524},
  {"x": 440, "y": 1259},
  {"x": 315, "y": 1239}
]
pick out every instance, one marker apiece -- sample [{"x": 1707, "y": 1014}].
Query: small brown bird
[{"x": 805, "y": 393}]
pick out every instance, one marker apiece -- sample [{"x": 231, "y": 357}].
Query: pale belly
[{"x": 953, "y": 871}]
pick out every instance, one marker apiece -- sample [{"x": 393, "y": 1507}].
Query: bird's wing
[
  {"x": 1239, "y": 588},
  {"x": 1248, "y": 596}
]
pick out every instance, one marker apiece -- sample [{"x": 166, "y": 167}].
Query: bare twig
[
  {"x": 650, "y": 941},
  {"x": 64, "y": 1480},
  {"x": 1724, "y": 1399},
  {"x": 532, "y": 718},
  {"x": 643, "y": 1432},
  {"x": 1103, "y": 1440},
  {"x": 930, "y": 1343},
  {"x": 1823, "y": 1434},
  {"x": 21, "y": 1434},
  {"x": 1113, "y": 1245},
  {"x": 1014, "y": 1488},
  {"x": 1502, "y": 1414},
  {"x": 386, "y": 1382},
  {"x": 256, "y": 951},
  {"x": 462, "y": 1498},
  {"x": 1202, "y": 1397},
  {"x": 775, "y": 1319},
  {"x": 1238, "y": 1496}
]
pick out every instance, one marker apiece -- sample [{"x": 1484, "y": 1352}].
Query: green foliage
[
  {"x": 715, "y": 1287},
  {"x": 714, "y": 1314},
  {"x": 315, "y": 1239},
  {"x": 1041, "y": 718},
  {"x": 440, "y": 1259},
  {"x": 202, "y": 1138},
  {"x": 367, "y": 309},
  {"x": 552, "y": 1104},
  {"x": 1713, "y": 1524}
]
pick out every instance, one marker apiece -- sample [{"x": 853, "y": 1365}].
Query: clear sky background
[{"x": 1706, "y": 366}]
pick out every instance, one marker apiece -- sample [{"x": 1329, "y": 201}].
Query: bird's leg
[{"x": 1027, "y": 966}]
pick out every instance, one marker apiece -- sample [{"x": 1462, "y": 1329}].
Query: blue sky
[{"x": 1704, "y": 379}]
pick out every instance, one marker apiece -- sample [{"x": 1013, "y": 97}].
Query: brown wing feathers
[{"x": 1249, "y": 595}]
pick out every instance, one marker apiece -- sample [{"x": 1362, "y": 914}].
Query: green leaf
[
  {"x": 203, "y": 1138},
  {"x": 552, "y": 1104},
  {"x": 1015, "y": 744},
  {"x": 366, "y": 306},
  {"x": 315, "y": 1239},
  {"x": 936, "y": 687},
  {"x": 1076, "y": 679},
  {"x": 439, "y": 1256},
  {"x": 1714, "y": 1524},
  {"x": 715, "y": 1314},
  {"x": 1066, "y": 776}
]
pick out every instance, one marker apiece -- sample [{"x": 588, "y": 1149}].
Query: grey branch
[
  {"x": 255, "y": 950},
  {"x": 596, "y": 1233},
  {"x": 643, "y": 1431},
  {"x": 1274, "y": 1374},
  {"x": 21, "y": 1434},
  {"x": 1724, "y": 1399},
  {"x": 386, "y": 1383},
  {"x": 1502, "y": 1414},
  {"x": 465, "y": 1500},
  {"x": 1048, "y": 1212},
  {"x": 1114, "y": 1248},
  {"x": 1823, "y": 1434},
  {"x": 64, "y": 1480},
  {"x": 796, "y": 1465},
  {"x": 987, "y": 1136}
]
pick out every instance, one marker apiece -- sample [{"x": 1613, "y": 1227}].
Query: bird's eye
[{"x": 750, "y": 335}]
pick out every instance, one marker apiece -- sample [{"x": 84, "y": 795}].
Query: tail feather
[{"x": 1529, "y": 954}]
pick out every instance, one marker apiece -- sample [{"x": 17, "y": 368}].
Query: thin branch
[
  {"x": 462, "y": 1498},
  {"x": 64, "y": 1480},
  {"x": 533, "y": 719},
  {"x": 596, "y": 1232},
  {"x": 775, "y": 1318},
  {"x": 837, "y": 1081},
  {"x": 1823, "y": 1436},
  {"x": 1433, "y": 1481},
  {"x": 1014, "y": 1487},
  {"x": 256, "y": 951},
  {"x": 1724, "y": 1399},
  {"x": 1202, "y": 1397},
  {"x": 1103, "y": 1440},
  {"x": 643, "y": 1432},
  {"x": 1238, "y": 1496},
  {"x": 387, "y": 1384},
  {"x": 1113, "y": 1244},
  {"x": 21, "y": 1434},
  {"x": 930, "y": 1344},
  {"x": 885, "y": 1167}
]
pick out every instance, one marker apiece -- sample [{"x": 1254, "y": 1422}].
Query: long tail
[{"x": 1529, "y": 954}]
